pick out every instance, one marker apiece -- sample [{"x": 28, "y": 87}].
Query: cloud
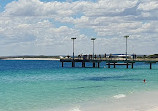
[
  {"x": 41, "y": 30},
  {"x": 51, "y": 24},
  {"x": 148, "y": 5},
  {"x": 38, "y": 8}
]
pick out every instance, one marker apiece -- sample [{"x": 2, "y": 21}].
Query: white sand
[
  {"x": 154, "y": 109},
  {"x": 142, "y": 101},
  {"x": 31, "y": 59}
]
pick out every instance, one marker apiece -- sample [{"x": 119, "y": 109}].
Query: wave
[
  {"x": 75, "y": 109},
  {"x": 119, "y": 96}
]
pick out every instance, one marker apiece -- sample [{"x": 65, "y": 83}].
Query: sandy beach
[
  {"x": 31, "y": 59},
  {"x": 145, "y": 101},
  {"x": 154, "y": 109}
]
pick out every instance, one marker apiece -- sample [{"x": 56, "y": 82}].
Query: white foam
[
  {"x": 119, "y": 96},
  {"x": 139, "y": 101},
  {"x": 75, "y": 109}
]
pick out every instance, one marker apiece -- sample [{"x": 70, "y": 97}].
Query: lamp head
[
  {"x": 73, "y": 38},
  {"x": 93, "y": 38},
  {"x": 126, "y": 36}
]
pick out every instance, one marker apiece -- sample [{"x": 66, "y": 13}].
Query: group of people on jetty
[{"x": 90, "y": 56}]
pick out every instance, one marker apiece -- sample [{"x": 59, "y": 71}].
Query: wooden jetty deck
[{"x": 109, "y": 62}]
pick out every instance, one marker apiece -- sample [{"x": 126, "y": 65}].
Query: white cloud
[
  {"x": 148, "y": 5},
  {"x": 38, "y": 35},
  {"x": 51, "y": 25},
  {"x": 38, "y": 8},
  {"x": 108, "y": 7}
]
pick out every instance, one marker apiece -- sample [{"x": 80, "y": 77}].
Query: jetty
[{"x": 109, "y": 62}]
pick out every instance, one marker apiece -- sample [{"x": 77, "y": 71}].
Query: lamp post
[
  {"x": 126, "y": 45},
  {"x": 73, "y": 63},
  {"x": 73, "y": 47},
  {"x": 93, "y": 46}
]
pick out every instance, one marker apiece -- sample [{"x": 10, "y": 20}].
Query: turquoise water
[{"x": 41, "y": 85}]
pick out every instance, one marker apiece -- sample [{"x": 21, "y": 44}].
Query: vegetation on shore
[
  {"x": 148, "y": 56},
  {"x": 29, "y": 56}
]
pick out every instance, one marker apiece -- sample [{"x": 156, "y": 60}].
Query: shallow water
[{"x": 45, "y": 85}]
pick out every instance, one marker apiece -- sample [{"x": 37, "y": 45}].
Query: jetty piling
[
  {"x": 83, "y": 64},
  {"x": 73, "y": 63},
  {"x": 150, "y": 65},
  {"x": 132, "y": 65},
  {"x": 62, "y": 64},
  {"x": 98, "y": 65},
  {"x": 93, "y": 64}
]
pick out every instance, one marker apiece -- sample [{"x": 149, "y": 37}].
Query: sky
[{"x": 45, "y": 27}]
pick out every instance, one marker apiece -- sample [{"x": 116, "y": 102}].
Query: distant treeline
[
  {"x": 40, "y": 56},
  {"x": 148, "y": 56},
  {"x": 153, "y": 56}
]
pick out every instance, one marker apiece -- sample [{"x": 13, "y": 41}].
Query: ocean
[{"x": 43, "y": 85}]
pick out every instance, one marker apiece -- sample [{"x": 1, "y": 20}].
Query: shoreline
[
  {"x": 154, "y": 109},
  {"x": 31, "y": 59},
  {"x": 139, "y": 101}
]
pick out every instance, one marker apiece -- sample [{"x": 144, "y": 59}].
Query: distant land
[
  {"x": 31, "y": 57},
  {"x": 58, "y": 57}
]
